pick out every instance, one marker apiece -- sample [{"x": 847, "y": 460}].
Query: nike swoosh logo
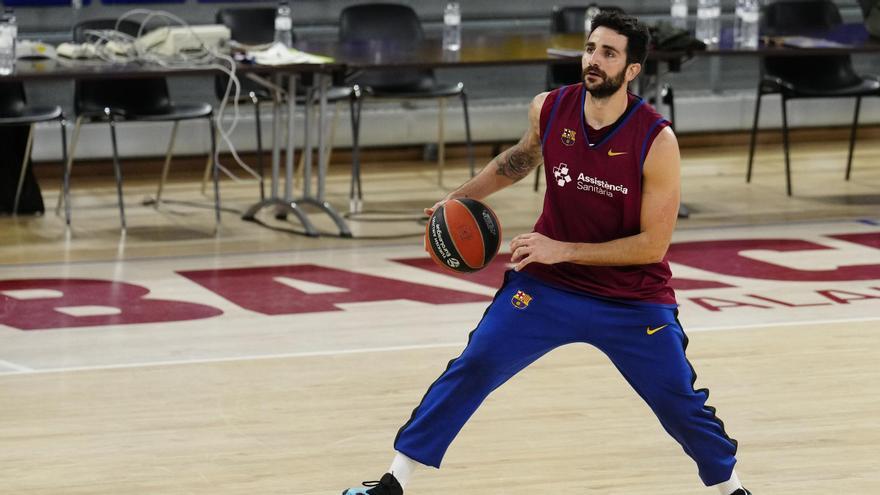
[
  {"x": 612, "y": 153},
  {"x": 652, "y": 331}
]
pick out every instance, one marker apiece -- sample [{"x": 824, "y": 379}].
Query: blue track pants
[{"x": 526, "y": 320}]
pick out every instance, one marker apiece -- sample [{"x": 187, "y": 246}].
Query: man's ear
[{"x": 633, "y": 71}]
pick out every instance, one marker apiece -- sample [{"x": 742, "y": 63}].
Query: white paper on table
[{"x": 278, "y": 54}]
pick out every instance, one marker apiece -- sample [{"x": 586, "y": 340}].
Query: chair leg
[
  {"x": 68, "y": 166},
  {"x": 785, "y": 145},
  {"x": 24, "y": 164},
  {"x": 467, "y": 132},
  {"x": 216, "y": 171},
  {"x": 167, "y": 164},
  {"x": 117, "y": 169},
  {"x": 355, "y": 195},
  {"x": 259, "y": 126},
  {"x": 852, "y": 136},
  {"x": 441, "y": 139},
  {"x": 668, "y": 98},
  {"x": 209, "y": 165},
  {"x": 754, "y": 135},
  {"x": 63, "y": 126}
]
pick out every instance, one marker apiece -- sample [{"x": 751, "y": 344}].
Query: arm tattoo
[{"x": 515, "y": 163}]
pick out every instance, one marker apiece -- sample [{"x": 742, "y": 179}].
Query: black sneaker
[
  {"x": 741, "y": 491},
  {"x": 388, "y": 485}
]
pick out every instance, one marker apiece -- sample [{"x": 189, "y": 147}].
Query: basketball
[{"x": 463, "y": 235}]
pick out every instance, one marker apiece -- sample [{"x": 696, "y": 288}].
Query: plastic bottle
[
  {"x": 8, "y": 36},
  {"x": 283, "y": 25},
  {"x": 709, "y": 21},
  {"x": 678, "y": 11},
  {"x": 452, "y": 27},
  {"x": 750, "y": 16},
  {"x": 737, "y": 23}
]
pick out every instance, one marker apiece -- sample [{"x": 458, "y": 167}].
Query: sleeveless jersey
[{"x": 594, "y": 194}]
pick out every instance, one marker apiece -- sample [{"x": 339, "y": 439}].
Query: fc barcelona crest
[
  {"x": 568, "y": 137},
  {"x": 520, "y": 300}
]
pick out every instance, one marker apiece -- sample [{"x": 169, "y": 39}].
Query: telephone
[{"x": 173, "y": 40}]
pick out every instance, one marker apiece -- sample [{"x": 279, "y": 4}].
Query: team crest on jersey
[
  {"x": 560, "y": 173},
  {"x": 568, "y": 137},
  {"x": 520, "y": 300}
]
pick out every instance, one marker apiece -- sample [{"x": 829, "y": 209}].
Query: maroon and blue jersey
[{"x": 594, "y": 194}]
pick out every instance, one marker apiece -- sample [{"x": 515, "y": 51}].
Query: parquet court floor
[{"x": 173, "y": 361}]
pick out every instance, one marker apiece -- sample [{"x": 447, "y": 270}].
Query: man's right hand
[{"x": 430, "y": 211}]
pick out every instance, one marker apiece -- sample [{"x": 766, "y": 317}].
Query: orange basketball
[{"x": 463, "y": 235}]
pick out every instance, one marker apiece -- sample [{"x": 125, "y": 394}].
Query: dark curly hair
[{"x": 637, "y": 35}]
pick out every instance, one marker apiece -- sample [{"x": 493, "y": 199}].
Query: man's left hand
[{"x": 526, "y": 248}]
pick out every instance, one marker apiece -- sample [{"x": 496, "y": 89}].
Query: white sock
[
  {"x": 730, "y": 485},
  {"x": 402, "y": 467}
]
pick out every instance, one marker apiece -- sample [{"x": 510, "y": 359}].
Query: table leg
[
  {"x": 276, "y": 137},
  {"x": 307, "y": 143},
  {"x": 319, "y": 200},
  {"x": 286, "y": 204}
]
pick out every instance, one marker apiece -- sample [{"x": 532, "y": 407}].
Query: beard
[{"x": 607, "y": 87}]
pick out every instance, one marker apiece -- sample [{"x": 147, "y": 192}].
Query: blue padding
[
  {"x": 111, "y": 2},
  {"x": 39, "y": 3}
]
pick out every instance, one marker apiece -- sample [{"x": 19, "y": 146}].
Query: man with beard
[{"x": 593, "y": 270}]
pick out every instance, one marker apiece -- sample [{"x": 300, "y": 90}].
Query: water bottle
[
  {"x": 283, "y": 25},
  {"x": 737, "y": 23},
  {"x": 592, "y": 11},
  {"x": 709, "y": 21},
  {"x": 749, "y": 16},
  {"x": 8, "y": 35},
  {"x": 678, "y": 10},
  {"x": 452, "y": 27}
]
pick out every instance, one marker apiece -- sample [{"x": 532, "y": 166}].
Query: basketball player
[{"x": 593, "y": 270}]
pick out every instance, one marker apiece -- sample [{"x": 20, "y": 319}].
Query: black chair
[
  {"x": 871, "y": 11},
  {"x": 256, "y": 26},
  {"x": 143, "y": 99},
  {"x": 395, "y": 25},
  {"x": 867, "y": 6},
  {"x": 826, "y": 76},
  {"x": 14, "y": 111}
]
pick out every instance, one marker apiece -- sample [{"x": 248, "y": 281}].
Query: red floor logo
[{"x": 731, "y": 281}]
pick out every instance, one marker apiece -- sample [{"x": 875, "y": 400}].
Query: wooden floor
[{"x": 275, "y": 395}]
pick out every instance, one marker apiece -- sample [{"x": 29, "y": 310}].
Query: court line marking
[
  {"x": 782, "y": 324},
  {"x": 17, "y": 367},
  {"x": 255, "y": 357},
  {"x": 22, "y": 370}
]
